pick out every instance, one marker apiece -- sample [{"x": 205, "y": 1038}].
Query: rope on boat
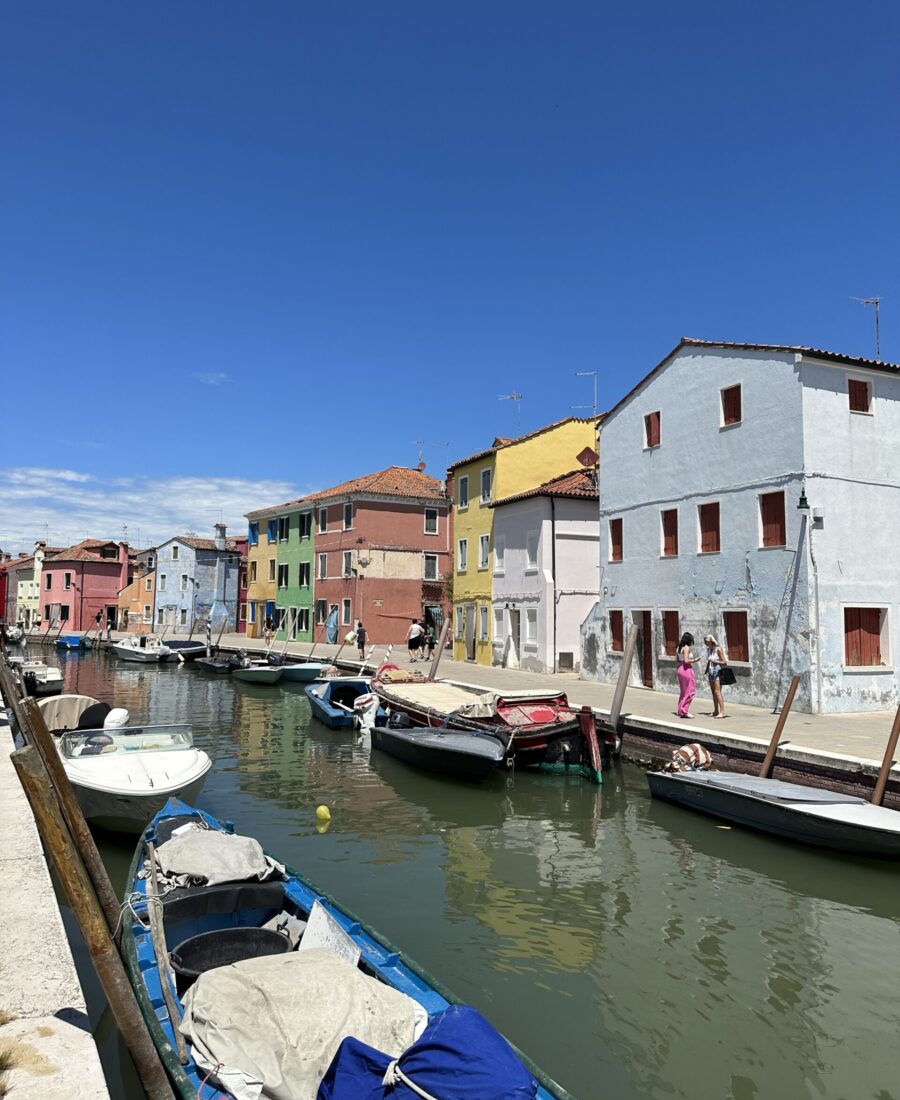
[
  {"x": 128, "y": 904},
  {"x": 394, "y": 1075},
  {"x": 211, "y": 1073}
]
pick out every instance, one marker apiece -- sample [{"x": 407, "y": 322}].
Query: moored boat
[
  {"x": 332, "y": 700},
  {"x": 257, "y": 672},
  {"x": 142, "y": 648},
  {"x": 185, "y": 649},
  {"x": 302, "y": 672},
  {"x": 38, "y": 678},
  {"x": 222, "y": 665},
  {"x": 306, "y": 985},
  {"x": 69, "y": 641}
]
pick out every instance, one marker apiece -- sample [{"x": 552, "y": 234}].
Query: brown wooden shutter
[
  {"x": 670, "y": 633},
  {"x": 615, "y": 540},
  {"x": 710, "y": 542},
  {"x": 670, "y": 533},
  {"x": 774, "y": 527},
  {"x": 869, "y": 634},
  {"x": 731, "y": 405},
  {"x": 737, "y": 642},
  {"x": 859, "y": 395},
  {"x": 651, "y": 427},
  {"x": 851, "y": 636},
  {"x": 617, "y": 631}
]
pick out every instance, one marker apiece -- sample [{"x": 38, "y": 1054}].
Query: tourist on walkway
[
  {"x": 361, "y": 641},
  {"x": 429, "y": 641},
  {"x": 269, "y": 632},
  {"x": 414, "y": 637},
  {"x": 687, "y": 678},
  {"x": 715, "y": 659}
]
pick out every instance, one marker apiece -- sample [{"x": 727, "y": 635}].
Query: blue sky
[{"x": 262, "y": 248}]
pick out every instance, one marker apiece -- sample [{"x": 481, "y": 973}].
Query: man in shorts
[{"x": 414, "y": 637}]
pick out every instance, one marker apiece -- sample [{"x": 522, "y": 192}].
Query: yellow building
[
  {"x": 136, "y": 603},
  {"x": 262, "y": 573},
  {"x": 508, "y": 467}
]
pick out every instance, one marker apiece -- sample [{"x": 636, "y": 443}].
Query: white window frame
[
  {"x": 484, "y": 552},
  {"x": 621, "y": 611},
  {"x": 48, "y": 582},
  {"x": 323, "y": 520},
  {"x": 301, "y": 624},
  {"x": 499, "y": 555},
  {"x": 700, "y": 550},
  {"x": 183, "y": 617},
  {"x": 661, "y": 654},
  {"x": 498, "y": 626},
  {"x": 184, "y": 582},
  {"x": 348, "y": 510},
  {"x": 304, "y": 522},
  {"x": 426, "y": 558},
  {"x": 284, "y": 577},
  {"x": 722, "y": 425},
  {"x": 432, "y": 512},
  {"x": 886, "y": 651},
  {"x": 284, "y": 524},
  {"x": 148, "y": 613},
  {"x": 322, "y": 572},
  {"x": 662, "y": 534},
  {"x": 532, "y": 564},
  {"x": 347, "y": 564},
  {"x": 723, "y": 633},
  {"x": 243, "y": 612},
  {"x": 160, "y": 617},
  {"x": 462, "y": 556},
  {"x": 860, "y": 412},
  {"x": 148, "y": 584},
  {"x": 67, "y": 582},
  {"x": 308, "y": 566},
  {"x": 346, "y": 612},
  {"x": 273, "y": 569},
  {"x": 460, "y": 621},
  {"x": 609, "y": 539},
  {"x": 531, "y": 628},
  {"x": 759, "y": 522},
  {"x": 175, "y": 551},
  {"x": 321, "y": 610},
  {"x": 483, "y": 623},
  {"x": 490, "y": 473},
  {"x": 462, "y": 482},
  {"x": 161, "y": 583},
  {"x": 254, "y": 571}
]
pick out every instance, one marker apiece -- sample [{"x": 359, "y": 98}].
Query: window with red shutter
[
  {"x": 862, "y": 636},
  {"x": 617, "y": 631},
  {"x": 670, "y": 533},
  {"x": 651, "y": 429},
  {"x": 737, "y": 643},
  {"x": 671, "y": 634},
  {"x": 710, "y": 542},
  {"x": 860, "y": 395},
  {"x": 731, "y": 406},
  {"x": 774, "y": 525},
  {"x": 615, "y": 540}
]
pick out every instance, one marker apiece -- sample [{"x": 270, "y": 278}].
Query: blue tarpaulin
[
  {"x": 331, "y": 626},
  {"x": 459, "y": 1056}
]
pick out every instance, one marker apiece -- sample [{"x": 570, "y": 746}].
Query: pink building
[{"x": 83, "y": 580}]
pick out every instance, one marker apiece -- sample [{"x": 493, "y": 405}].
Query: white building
[
  {"x": 545, "y": 572},
  {"x": 709, "y": 464}
]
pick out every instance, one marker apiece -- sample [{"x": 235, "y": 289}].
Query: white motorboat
[
  {"x": 16, "y": 634},
  {"x": 38, "y": 678},
  {"x": 141, "y": 648},
  {"x": 123, "y": 775}
]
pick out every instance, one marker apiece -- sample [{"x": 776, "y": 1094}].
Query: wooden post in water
[
  {"x": 36, "y": 734},
  {"x": 442, "y": 641},
  {"x": 765, "y": 772},
  {"x": 158, "y": 935},
  {"x": 81, "y": 897},
  {"x": 622, "y": 682},
  {"x": 881, "y": 785}
]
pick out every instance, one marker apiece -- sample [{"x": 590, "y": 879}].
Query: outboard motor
[
  {"x": 117, "y": 719},
  {"x": 399, "y": 720},
  {"x": 365, "y": 707}
]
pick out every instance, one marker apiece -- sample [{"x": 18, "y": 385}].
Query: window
[
  {"x": 284, "y": 528},
  {"x": 462, "y": 555},
  {"x": 531, "y": 626},
  {"x": 348, "y": 563},
  {"x": 531, "y": 550},
  {"x": 865, "y": 637},
  {"x": 348, "y": 517},
  {"x": 64, "y": 613},
  {"x": 148, "y": 584},
  {"x": 323, "y": 520},
  {"x": 651, "y": 430},
  {"x": 67, "y": 581},
  {"x": 431, "y": 521},
  {"x": 304, "y": 574},
  {"x": 272, "y": 530},
  {"x": 252, "y": 607},
  {"x": 731, "y": 406},
  {"x": 616, "y": 632},
  {"x": 615, "y": 539},
  {"x": 483, "y": 622},
  {"x": 159, "y": 617},
  {"x": 162, "y": 582},
  {"x": 243, "y": 612},
  {"x": 175, "y": 551},
  {"x": 498, "y": 624},
  {"x": 484, "y": 551},
  {"x": 737, "y": 644},
  {"x": 148, "y": 613},
  {"x": 431, "y": 567},
  {"x": 47, "y": 612},
  {"x": 301, "y": 624},
  {"x": 184, "y": 582},
  {"x": 462, "y": 493},
  {"x": 486, "y": 485},
  {"x": 671, "y": 633},
  {"x": 48, "y": 581},
  {"x": 184, "y": 616},
  {"x": 272, "y": 569},
  {"x": 499, "y": 554},
  {"x": 323, "y": 566},
  {"x": 321, "y": 612},
  {"x": 254, "y": 534},
  {"x": 460, "y": 621},
  {"x": 859, "y": 393},
  {"x": 669, "y": 518},
  {"x": 253, "y": 572},
  {"x": 708, "y": 515},
  {"x": 346, "y": 618},
  {"x": 773, "y": 528},
  {"x": 282, "y": 576},
  {"x": 305, "y": 525}
]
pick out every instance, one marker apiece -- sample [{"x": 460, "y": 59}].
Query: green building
[{"x": 294, "y": 571}]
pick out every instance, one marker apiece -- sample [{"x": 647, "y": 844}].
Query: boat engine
[{"x": 366, "y": 707}]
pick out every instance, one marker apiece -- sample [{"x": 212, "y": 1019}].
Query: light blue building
[{"x": 196, "y": 582}]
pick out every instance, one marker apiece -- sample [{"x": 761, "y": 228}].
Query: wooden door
[
  {"x": 644, "y": 622},
  {"x": 470, "y": 632}
]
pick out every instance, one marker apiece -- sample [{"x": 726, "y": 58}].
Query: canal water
[{"x": 634, "y": 950}]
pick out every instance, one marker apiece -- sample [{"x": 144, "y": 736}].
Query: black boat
[
  {"x": 458, "y": 753},
  {"x": 186, "y": 649},
  {"x": 222, "y": 665}
]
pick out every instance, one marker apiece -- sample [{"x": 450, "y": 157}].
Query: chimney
[
  {"x": 24, "y": 554},
  {"x": 421, "y": 466},
  {"x": 6, "y": 556},
  {"x": 220, "y": 536},
  {"x": 39, "y": 545}
]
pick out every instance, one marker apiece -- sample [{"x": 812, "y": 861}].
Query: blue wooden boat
[
  {"x": 237, "y": 911},
  {"x": 332, "y": 701},
  {"x": 69, "y": 641}
]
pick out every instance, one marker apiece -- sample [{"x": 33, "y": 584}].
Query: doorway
[
  {"x": 470, "y": 632},
  {"x": 644, "y": 622},
  {"x": 514, "y": 637}
]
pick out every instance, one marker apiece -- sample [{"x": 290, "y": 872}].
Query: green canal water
[{"x": 634, "y": 950}]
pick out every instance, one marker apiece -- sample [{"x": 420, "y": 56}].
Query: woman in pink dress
[{"x": 687, "y": 678}]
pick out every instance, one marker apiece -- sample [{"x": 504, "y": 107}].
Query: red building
[
  {"x": 240, "y": 545},
  {"x": 382, "y": 547},
  {"x": 84, "y": 579}
]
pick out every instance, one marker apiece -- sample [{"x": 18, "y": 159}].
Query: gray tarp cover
[
  {"x": 276, "y": 1022},
  {"x": 210, "y": 856}
]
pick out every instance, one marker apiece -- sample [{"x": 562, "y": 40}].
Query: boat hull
[
  {"x": 805, "y": 823},
  {"x": 141, "y": 656},
  {"x": 267, "y": 674},
  {"x": 323, "y": 696},
  {"x": 302, "y": 673},
  {"x": 129, "y": 813},
  {"x": 473, "y": 757}
]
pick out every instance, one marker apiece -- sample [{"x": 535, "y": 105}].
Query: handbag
[{"x": 726, "y": 676}]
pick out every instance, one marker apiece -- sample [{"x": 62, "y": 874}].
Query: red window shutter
[
  {"x": 670, "y": 633},
  {"x": 709, "y": 528},
  {"x": 615, "y": 540},
  {"x": 774, "y": 527},
  {"x": 737, "y": 642},
  {"x": 670, "y": 533},
  {"x": 851, "y": 636},
  {"x": 651, "y": 428},
  {"x": 870, "y": 635},
  {"x": 616, "y": 630},
  {"x": 858, "y": 393},
  {"x": 731, "y": 405}
]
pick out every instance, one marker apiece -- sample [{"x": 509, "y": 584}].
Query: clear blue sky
[{"x": 282, "y": 240}]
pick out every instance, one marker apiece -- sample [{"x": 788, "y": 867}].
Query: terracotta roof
[
  {"x": 395, "y": 481},
  {"x": 86, "y": 550},
  {"x": 578, "y": 483},
  {"x": 501, "y": 441},
  {"x": 793, "y": 349},
  {"x": 204, "y": 544}
]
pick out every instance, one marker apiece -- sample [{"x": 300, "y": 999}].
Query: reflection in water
[{"x": 633, "y": 949}]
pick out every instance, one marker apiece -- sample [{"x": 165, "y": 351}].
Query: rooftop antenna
[
  {"x": 876, "y": 302},
  {"x": 422, "y": 444},
  {"x": 517, "y": 397},
  {"x": 588, "y": 374},
  {"x": 124, "y": 532}
]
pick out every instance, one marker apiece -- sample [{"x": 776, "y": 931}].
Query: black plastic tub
[{"x": 205, "y": 952}]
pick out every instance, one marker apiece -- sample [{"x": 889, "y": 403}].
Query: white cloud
[
  {"x": 211, "y": 377},
  {"x": 64, "y": 506}
]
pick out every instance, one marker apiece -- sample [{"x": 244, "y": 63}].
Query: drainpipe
[{"x": 553, "y": 569}]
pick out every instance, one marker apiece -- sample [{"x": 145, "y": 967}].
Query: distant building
[
  {"x": 262, "y": 564},
  {"x": 136, "y": 602},
  {"x": 752, "y": 491},
  {"x": 81, "y": 582},
  {"x": 196, "y": 582}
]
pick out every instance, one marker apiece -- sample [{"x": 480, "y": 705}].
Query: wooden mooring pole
[
  {"x": 442, "y": 641},
  {"x": 615, "y": 711},
  {"x": 884, "y": 774},
  {"x": 80, "y": 894},
  {"x": 765, "y": 772}
]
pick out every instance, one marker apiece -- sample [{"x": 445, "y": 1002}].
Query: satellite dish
[{"x": 588, "y": 458}]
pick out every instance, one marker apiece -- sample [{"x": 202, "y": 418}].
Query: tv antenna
[
  {"x": 876, "y": 302},
  {"x": 517, "y": 397},
  {"x": 588, "y": 374},
  {"x": 422, "y": 444}
]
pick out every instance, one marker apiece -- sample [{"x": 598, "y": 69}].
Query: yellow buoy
[{"x": 323, "y": 813}]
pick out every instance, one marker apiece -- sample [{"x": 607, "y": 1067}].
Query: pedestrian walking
[
  {"x": 414, "y": 637},
  {"x": 687, "y": 677},
  {"x": 361, "y": 641},
  {"x": 429, "y": 641},
  {"x": 715, "y": 662},
  {"x": 269, "y": 631}
]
